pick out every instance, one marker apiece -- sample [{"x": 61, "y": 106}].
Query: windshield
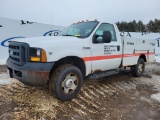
[{"x": 81, "y": 30}]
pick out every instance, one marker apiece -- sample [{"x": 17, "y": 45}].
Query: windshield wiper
[
  {"x": 67, "y": 35},
  {"x": 73, "y": 36}
]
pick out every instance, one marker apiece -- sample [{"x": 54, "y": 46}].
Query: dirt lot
[{"x": 117, "y": 97}]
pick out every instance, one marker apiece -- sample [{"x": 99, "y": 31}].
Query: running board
[{"x": 102, "y": 74}]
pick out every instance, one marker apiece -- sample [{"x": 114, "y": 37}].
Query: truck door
[{"x": 106, "y": 56}]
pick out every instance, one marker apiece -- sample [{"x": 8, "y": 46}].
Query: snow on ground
[
  {"x": 156, "y": 96},
  {"x": 3, "y": 61},
  {"x": 4, "y": 79},
  {"x": 156, "y": 83}
]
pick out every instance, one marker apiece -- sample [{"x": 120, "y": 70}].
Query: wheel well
[
  {"x": 76, "y": 61},
  {"x": 143, "y": 57}
]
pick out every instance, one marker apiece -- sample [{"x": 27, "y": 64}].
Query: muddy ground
[{"x": 117, "y": 97}]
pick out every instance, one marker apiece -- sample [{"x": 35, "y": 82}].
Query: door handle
[{"x": 118, "y": 48}]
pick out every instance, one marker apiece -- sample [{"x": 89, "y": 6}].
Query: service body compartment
[{"x": 133, "y": 48}]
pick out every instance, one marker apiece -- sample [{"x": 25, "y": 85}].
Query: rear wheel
[
  {"x": 138, "y": 70},
  {"x": 66, "y": 82}
]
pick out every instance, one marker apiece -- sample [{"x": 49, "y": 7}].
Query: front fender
[{"x": 65, "y": 53}]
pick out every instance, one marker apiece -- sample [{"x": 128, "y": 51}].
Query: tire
[
  {"x": 138, "y": 70},
  {"x": 66, "y": 82}
]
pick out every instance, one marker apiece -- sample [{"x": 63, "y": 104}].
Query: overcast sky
[{"x": 66, "y": 12}]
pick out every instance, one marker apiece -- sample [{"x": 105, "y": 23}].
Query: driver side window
[{"x": 105, "y": 27}]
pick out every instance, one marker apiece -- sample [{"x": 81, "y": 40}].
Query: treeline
[{"x": 133, "y": 26}]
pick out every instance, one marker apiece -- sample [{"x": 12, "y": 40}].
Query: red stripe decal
[{"x": 94, "y": 58}]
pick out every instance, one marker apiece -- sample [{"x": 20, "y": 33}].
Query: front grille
[{"x": 18, "y": 52}]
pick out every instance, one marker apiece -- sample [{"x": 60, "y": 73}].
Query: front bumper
[{"x": 31, "y": 73}]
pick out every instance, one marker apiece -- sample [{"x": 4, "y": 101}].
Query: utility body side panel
[{"x": 133, "y": 48}]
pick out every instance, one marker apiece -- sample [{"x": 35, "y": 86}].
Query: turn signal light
[
  {"x": 44, "y": 57},
  {"x": 35, "y": 59}
]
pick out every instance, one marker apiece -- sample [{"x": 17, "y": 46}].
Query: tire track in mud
[
  {"x": 91, "y": 100},
  {"x": 114, "y": 97},
  {"x": 88, "y": 102}
]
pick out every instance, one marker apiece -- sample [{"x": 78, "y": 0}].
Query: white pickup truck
[{"x": 63, "y": 61}]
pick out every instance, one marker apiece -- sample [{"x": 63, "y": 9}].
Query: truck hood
[{"x": 43, "y": 42}]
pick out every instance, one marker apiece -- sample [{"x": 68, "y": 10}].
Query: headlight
[{"x": 37, "y": 55}]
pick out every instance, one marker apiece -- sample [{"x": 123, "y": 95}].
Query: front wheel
[
  {"x": 138, "y": 70},
  {"x": 66, "y": 82}
]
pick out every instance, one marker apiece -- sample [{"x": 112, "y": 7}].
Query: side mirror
[
  {"x": 107, "y": 37},
  {"x": 95, "y": 38}
]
